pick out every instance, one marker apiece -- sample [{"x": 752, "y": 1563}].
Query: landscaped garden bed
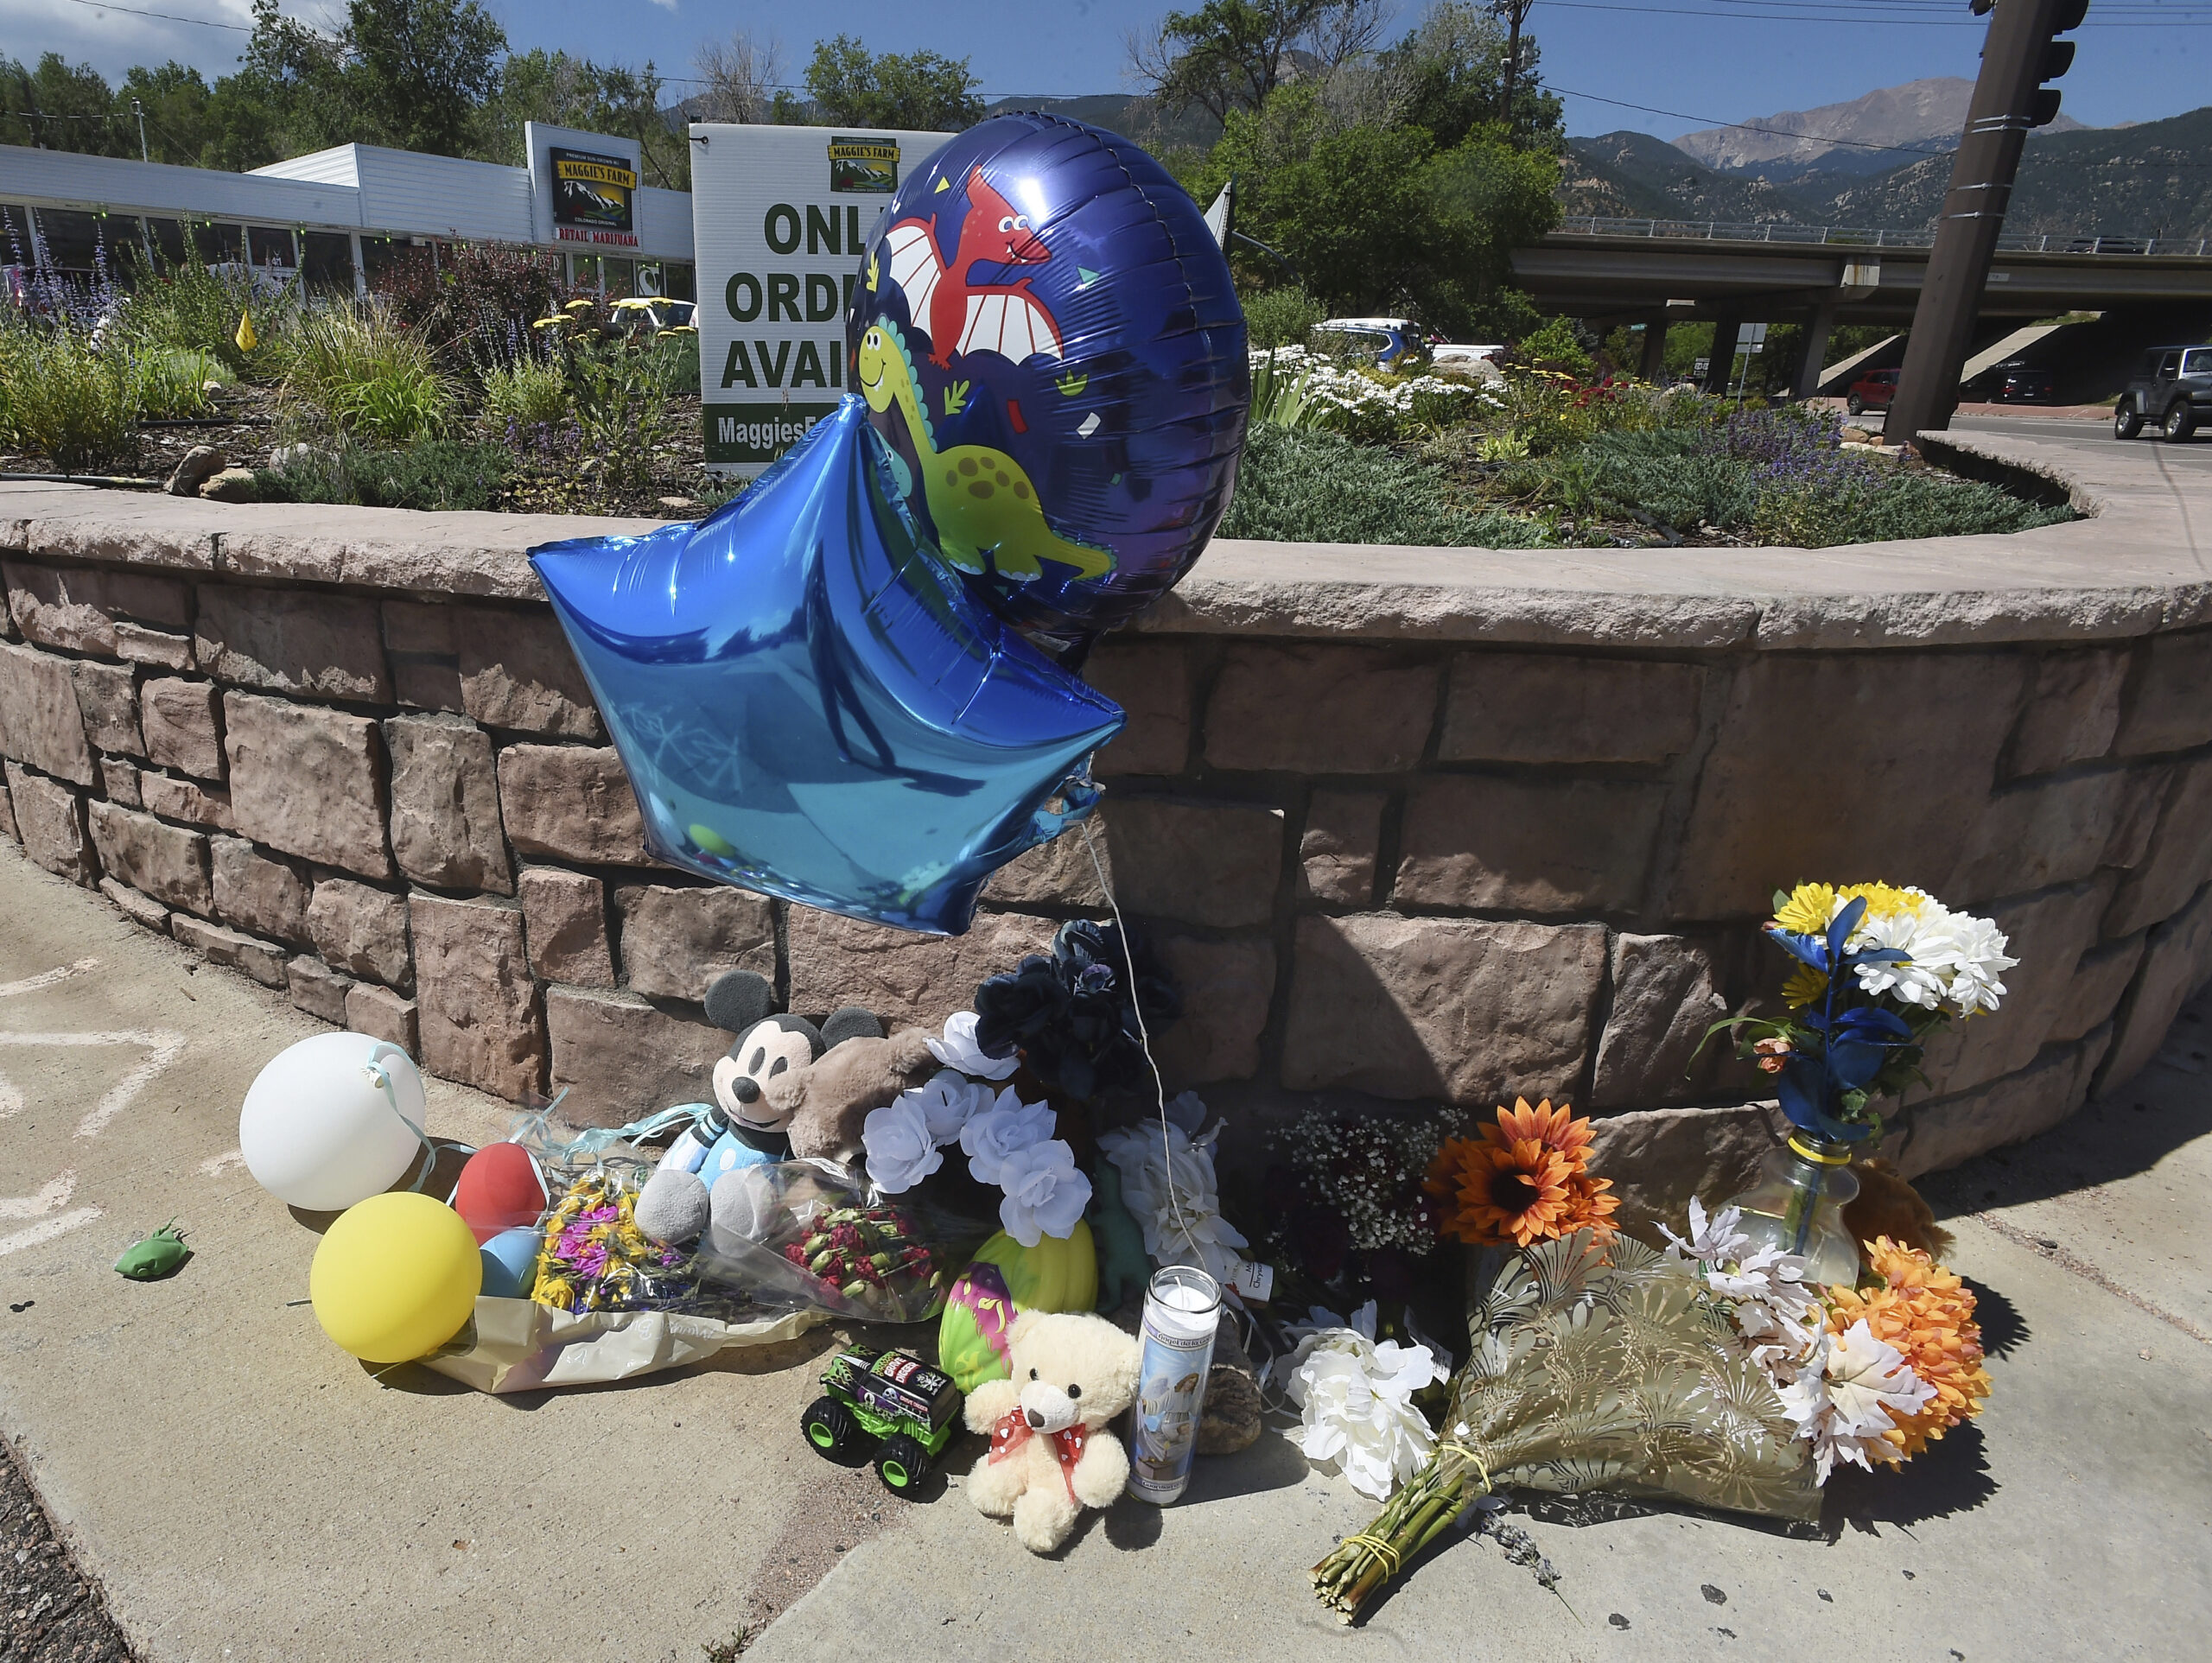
[{"x": 481, "y": 381}]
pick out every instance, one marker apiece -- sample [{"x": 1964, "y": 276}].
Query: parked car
[
  {"x": 1872, "y": 390},
  {"x": 2171, "y": 390},
  {"x": 2022, "y": 385},
  {"x": 653, "y": 314},
  {"x": 1388, "y": 343}
]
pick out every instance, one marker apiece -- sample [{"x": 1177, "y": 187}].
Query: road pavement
[
  {"x": 242, "y": 1490},
  {"x": 2196, "y": 455}
]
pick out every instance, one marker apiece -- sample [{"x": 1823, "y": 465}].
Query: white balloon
[{"x": 326, "y": 1123}]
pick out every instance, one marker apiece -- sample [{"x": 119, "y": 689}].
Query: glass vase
[{"x": 1797, "y": 1205}]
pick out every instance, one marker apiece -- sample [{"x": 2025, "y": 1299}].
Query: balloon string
[{"x": 1144, "y": 1036}]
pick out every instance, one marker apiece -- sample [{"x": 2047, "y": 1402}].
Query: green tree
[
  {"x": 174, "y": 100},
  {"x": 1231, "y": 55},
  {"x": 1447, "y": 74},
  {"x": 565, "y": 91},
  {"x": 920, "y": 90},
  {"x": 58, "y": 106},
  {"x": 420, "y": 67}
]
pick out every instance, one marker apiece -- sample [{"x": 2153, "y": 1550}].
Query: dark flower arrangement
[{"x": 1072, "y": 1017}]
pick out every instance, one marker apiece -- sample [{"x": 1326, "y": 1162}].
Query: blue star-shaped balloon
[{"x": 809, "y": 702}]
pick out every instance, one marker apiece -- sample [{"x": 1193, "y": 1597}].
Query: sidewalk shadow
[
  {"x": 1274, "y": 1463},
  {"x": 1950, "y": 1475}
]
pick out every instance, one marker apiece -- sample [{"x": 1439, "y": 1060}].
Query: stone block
[
  {"x": 415, "y": 626},
  {"x": 675, "y": 941},
  {"x": 1227, "y": 988},
  {"x": 1058, "y": 874},
  {"x": 2071, "y": 713},
  {"x": 907, "y": 979},
  {"x": 2048, "y": 934},
  {"x": 570, "y": 802},
  {"x": 426, "y": 684},
  {"x": 621, "y": 1057},
  {"x": 1749, "y": 828},
  {"x": 360, "y": 930},
  {"x": 1214, "y": 863},
  {"x": 1150, "y": 680},
  {"x": 564, "y": 914},
  {"x": 163, "y": 602},
  {"x": 1658, "y": 1159},
  {"x": 291, "y": 641},
  {"x": 382, "y": 1014},
  {"x": 50, "y": 820},
  {"x": 2042, "y": 833},
  {"x": 1666, "y": 997},
  {"x": 1469, "y": 1011},
  {"x": 266, "y": 895},
  {"x": 1337, "y": 850},
  {"x": 183, "y": 726},
  {"x": 445, "y": 804},
  {"x": 307, "y": 781},
  {"x": 139, "y": 908},
  {"x": 1544, "y": 708},
  {"x": 2004, "y": 1111},
  {"x": 41, "y": 722},
  {"x": 477, "y": 1005},
  {"x": 166, "y": 862},
  {"x": 155, "y": 649},
  {"x": 2169, "y": 707},
  {"x": 317, "y": 989},
  {"x": 61, "y": 607},
  {"x": 517, "y": 672},
  {"x": 183, "y": 799},
  {"x": 107, "y": 696},
  {"x": 263, "y": 960},
  {"x": 2179, "y": 857},
  {"x": 2100, "y": 981},
  {"x": 2177, "y": 961},
  {"x": 1528, "y": 845},
  {"x": 119, "y": 779},
  {"x": 1315, "y": 710},
  {"x": 8, "y": 829}
]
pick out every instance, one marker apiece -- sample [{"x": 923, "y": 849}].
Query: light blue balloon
[
  {"x": 510, "y": 1263},
  {"x": 811, "y": 704}
]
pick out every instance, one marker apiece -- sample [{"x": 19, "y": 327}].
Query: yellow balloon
[{"x": 396, "y": 1278}]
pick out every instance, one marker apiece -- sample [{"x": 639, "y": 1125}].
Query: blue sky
[{"x": 1711, "y": 59}]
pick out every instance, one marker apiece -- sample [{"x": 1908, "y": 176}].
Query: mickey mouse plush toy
[{"x": 786, "y": 1088}]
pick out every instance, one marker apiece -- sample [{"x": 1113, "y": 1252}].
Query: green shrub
[
  {"x": 527, "y": 393},
  {"x": 1906, "y": 504},
  {"x": 360, "y": 373},
  {"x": 172, "y": 381},
  {"x": 196, "y": 310},
  {"x": 1299, "y": 486},
  {"x": 1557, "y": 345},
  {"x": 430, "y": 474},
  {"x": 66, "y": 401},
  {"x": 1281, "y": 317}
]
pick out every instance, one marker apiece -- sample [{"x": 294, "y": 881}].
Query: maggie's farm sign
[{"x": 778, "y": 217}]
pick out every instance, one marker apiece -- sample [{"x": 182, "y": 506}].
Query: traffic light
[{"x": 2057, "y": 59}]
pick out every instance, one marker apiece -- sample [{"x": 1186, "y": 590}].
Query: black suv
[{"x": 2173, "y": 387}]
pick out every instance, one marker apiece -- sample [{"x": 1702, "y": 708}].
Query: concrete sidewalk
[{"x": 243, "y": 1490}]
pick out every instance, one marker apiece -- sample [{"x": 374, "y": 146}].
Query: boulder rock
[
  {"x": 233, "y": 484},
  {"x": 197, "y": 465}
]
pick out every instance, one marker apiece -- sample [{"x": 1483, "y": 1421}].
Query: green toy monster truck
[{"x": 910, "y": 1409}]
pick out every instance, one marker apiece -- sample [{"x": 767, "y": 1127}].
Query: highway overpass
[{"x": 1657, "y": 272}]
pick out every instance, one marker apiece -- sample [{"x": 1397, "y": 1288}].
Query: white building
[{"x": 339, "y": 216}]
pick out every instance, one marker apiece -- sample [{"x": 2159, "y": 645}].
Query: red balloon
[{"x": 500, "y": 1188}]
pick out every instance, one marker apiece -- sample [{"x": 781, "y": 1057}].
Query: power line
[
  {"x": 1738, "y": 126},
  {"x": 166, "y": 17}
]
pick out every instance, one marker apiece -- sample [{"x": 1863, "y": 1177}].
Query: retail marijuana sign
[{"x": 778, "y": 217}]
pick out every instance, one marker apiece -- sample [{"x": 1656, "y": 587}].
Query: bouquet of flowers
[
  {"x": 1075, "y": 1018},
  {"x": 1347, "y": 1198},
  {"x": 1879, "y": 970}
]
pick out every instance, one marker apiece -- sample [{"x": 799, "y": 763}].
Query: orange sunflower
[
  {"x": 1525, "y": 1180},
  {"x": 1928, "y": 1314}
]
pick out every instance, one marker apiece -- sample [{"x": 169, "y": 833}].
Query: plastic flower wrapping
[
  {"x": 1879, "y": 970},
  {"x": 1168, "y": 1185}
]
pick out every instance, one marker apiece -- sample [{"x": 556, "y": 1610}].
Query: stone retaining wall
[{"x": 1405, "y": 824}]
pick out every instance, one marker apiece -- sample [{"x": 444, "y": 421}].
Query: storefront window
[
  {"x": 272, "y": 245},
  {"x": 15, "y": 235},
  {"x": 74, "y": 241},
  {"x": 679, "y": 282},
  {"x": 218, "y": 244},
  {"x": 328, "y": 260},
  {"x": 379, "y": 255},
  {"x": 166, "y": 237},
  {"x": 584, "y": 272},
  {"x": 621, "y": 279}
]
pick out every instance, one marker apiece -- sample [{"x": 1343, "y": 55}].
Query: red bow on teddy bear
[{"x": 1011, "y": 1430}]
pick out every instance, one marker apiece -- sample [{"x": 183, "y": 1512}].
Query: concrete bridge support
[
  {"x": 1721, "y": 364},
  {"x": 1655, "y": 350},
  {"x": 1817, "y": 331}
]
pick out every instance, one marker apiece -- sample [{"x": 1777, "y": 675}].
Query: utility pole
[
  {"x": 2009, "y": 98},
  {"x": 139, "y": 110}
]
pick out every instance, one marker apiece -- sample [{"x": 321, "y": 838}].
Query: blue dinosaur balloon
[
  {"x": 1048, "y": 339},
  {"x": 810, "y": 705}
]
